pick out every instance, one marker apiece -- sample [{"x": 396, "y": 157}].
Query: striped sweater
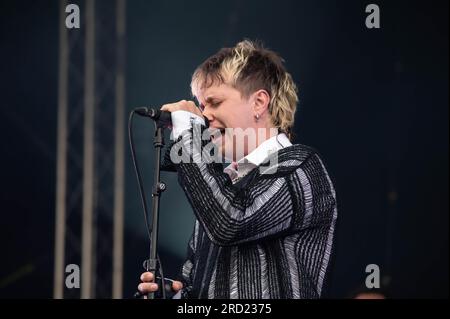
[{"x": 267, "y": 236}]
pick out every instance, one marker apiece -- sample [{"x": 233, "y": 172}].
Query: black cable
[
  {"x": 163, "y": 283},
  {"x": 138, "y": 175},
  {"x": 142, "y": 195}
]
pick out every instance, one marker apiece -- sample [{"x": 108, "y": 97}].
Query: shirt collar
[{"x": 257, "y": 156}]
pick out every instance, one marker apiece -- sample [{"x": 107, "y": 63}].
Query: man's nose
[{"x": 208, "y": 114}]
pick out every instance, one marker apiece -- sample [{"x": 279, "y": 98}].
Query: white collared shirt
[{"x": 237, "y": 170}]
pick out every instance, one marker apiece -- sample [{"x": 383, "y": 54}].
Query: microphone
[{"x": 162, "y": 118}]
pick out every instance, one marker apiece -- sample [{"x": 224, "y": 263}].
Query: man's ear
[{"x": 261, "y": 100}]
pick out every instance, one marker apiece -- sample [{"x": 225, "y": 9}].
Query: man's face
[{"x": 225, "y": 108}]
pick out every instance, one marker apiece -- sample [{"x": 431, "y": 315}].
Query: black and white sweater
[{"x": 267, "y": 236}]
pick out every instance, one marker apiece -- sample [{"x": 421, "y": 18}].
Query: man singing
[{"x": 265, "y": 224}]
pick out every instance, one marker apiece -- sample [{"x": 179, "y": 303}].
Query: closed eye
[{"x": 212, "y": 104}]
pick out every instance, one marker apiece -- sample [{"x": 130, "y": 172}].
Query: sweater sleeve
[
  {"x": 271, "y": 205},
  {"x": 187, "y": 270}
]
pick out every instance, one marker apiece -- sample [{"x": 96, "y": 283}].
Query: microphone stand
[{"x": 152, "y": 264}]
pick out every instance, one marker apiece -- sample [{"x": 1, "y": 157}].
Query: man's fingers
[
  {"x": 182, "y": 105},
  {"x": 177, "y": 285},
  {"x": 172, "y": 107},
  {"x": 166, "y": 107},
  {"x": 147, "y": 287},
  {"x": 147, "y": 277}
]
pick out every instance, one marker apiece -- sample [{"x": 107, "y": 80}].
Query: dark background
[{"x": 374, "y": 102}]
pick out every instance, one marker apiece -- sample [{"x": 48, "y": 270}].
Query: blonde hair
[{"x": 249, "y": 67}]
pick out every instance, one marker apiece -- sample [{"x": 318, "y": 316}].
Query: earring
[{"x": 257, "y": 117}]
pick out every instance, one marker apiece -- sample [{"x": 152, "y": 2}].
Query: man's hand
[
  {"x": 182, "y": 105},
  {"x": 148, "y": 285}
]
